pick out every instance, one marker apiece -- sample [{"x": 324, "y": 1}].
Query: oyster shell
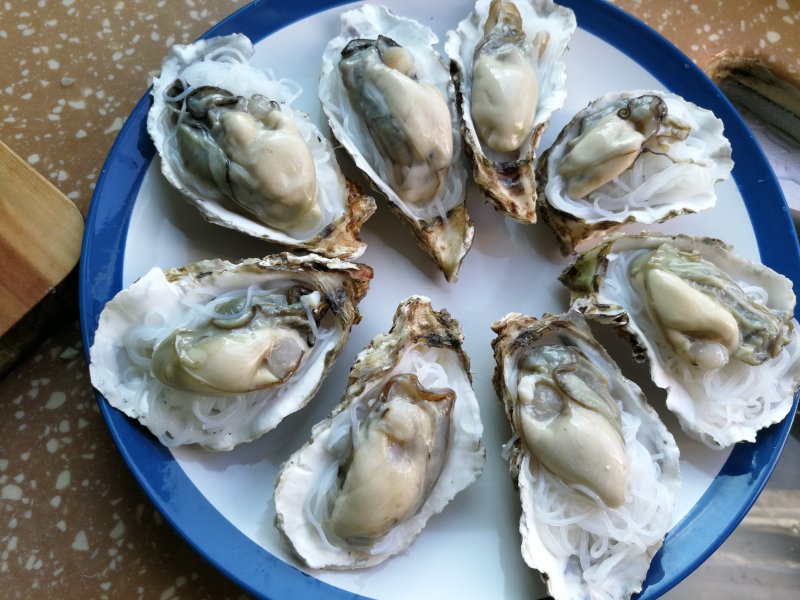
[
  {"x": 218, "y": 353},
  {"x": 506, "y": 62},
  {"x": 717, "y": 329},
  {"x": 596, "y": 469},
  {"x": 404, "y": 441},
  {"x": 388, "y": 99},
  {"x": 634, "y": 156},
  {"x": 231, "y": 142}
]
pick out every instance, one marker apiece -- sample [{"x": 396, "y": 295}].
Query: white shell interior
[
  {"x": 462, "y": 467},
  {"x": 654, "y": 186},
  {"x": 598, "y": 551},
  {"x": 227, "y": 71},
  {"x": 511, "y": 267},
  {"x": 214, "y": 422},
  {"x": 720, "y": 406},
  {"x": 537, "y": 15},
  {"x": 351, "y": 131}
]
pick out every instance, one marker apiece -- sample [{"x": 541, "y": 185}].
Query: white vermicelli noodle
[
  {"x": 574, "y": 524},
  {"x": 177, "y": 417},
  {"x": 737, "y": 397},
  {"x": 343, "y": 439},
  {"x": 216, "y": 413},
  {"x": 226, "y": 54}
]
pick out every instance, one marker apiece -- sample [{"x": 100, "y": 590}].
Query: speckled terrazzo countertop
[{"x": 73, "y": 521}]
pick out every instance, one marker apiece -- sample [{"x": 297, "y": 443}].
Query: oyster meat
[
  {"x": 506, "y": 63},
  {"x": 718, "y": 330},
  {"x": 388, "y": 99},
  {"x": 635, "y": 156},
  {"x": 218, "y": 353},
  {"x": 596, "y": 469},
  {"x": 403, "y": 442},
  {"x": 231, "y": 142}
]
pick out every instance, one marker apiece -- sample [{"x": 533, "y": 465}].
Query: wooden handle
[{"x": 40, "y": 237}]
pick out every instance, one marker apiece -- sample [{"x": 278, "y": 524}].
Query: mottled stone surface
[
  {"x": 764, "y": 29},
  {"x": 74, "y": 523},
  {"x": 74, "y": 69}
]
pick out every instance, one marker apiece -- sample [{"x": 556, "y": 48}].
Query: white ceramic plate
[{"x": 223, "y": 503}]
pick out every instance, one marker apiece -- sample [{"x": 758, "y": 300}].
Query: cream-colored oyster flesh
[
  {"x": 231, "y": 142},
  {"x": 718, "y": 330},
  {"x": 218, "y": 353},
  {"x": 506, "y": 62},
  {"x": 404, "y": 441},
  {"x": 505, "y": 82},
  {"x": 570, "y": 422},
  {"x": 388, "y": 98},
  {"x": 408, "y": 121},
  {"x": 611, "y": 140},
  {"x": 596, "y": 469},
  {"x": 641, "y": 156}
]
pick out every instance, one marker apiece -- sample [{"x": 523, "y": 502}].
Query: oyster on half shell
[
  {"x": 639, "y": 156},
  {"x": 717, "y": 329},
  {"x": 596, "y": 469},
  {"x": 404, "y": 441},
  {"x": 506, "y": 63},
  {"x": 388, "y": 99},
  {"x": 218, "y": 353},
  {"x": 231, "y": 142}
]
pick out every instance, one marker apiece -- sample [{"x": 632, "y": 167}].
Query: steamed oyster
[
  {"x": 387, "y": 96},
  {"x": 231, "y": 142},
  {"x": 218, "y": 353},
  {"x": 718, "y": 329},
  {"x": 597, "y": 471},
  {"x": 403, "y": 442},
  {"x": 636, "y": 156},
  {"x": 506, "y": 62}
]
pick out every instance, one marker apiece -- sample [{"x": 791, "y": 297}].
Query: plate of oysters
[{"x": 442, "y": 299}]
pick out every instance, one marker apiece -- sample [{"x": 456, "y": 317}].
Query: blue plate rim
[{"x": 687, "y": 545}]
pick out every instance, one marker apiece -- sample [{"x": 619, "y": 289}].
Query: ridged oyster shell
[
  {"x": 222, "y": 63},
  {"x": 507, "y": 177},
  {"x": 584, "y": 548},
  {"x": 423, "y": 342},
  {"x": 160, "y": 303},
  {"x": 662, "y": 182},
  {"x": 718, "y": 406},
  {"x": 441, "y": 226}
]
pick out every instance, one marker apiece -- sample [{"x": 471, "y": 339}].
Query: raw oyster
[
  {"x": 596, "y": 469},
  {"x": 636, "y": 156},
  {"x": 718, "y": 329},
  {"x": 231, "y": 142},
  {"x": 403, "y": 442},
  {"x": 218, "y": 353},
  {"x": 506, "y": 63},
  {"x": 388, "y": 99}
]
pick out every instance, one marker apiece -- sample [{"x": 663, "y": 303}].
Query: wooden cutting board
[{"x": 40, "y": 243}]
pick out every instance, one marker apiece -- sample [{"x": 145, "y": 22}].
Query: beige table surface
[{"x": 73, "y": 521}]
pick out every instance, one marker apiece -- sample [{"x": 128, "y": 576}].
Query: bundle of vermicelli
[
  {"x": 651, "y": 182},
  {"x": 596, "y": 469},
  {"x": 404, "y": 440},
  {"x": 714, "y": 405},
  {"x": 665, "y": 164},
  {"x": 218, "y": 353},
  {"x": 343, "y": 439},
  {"x": 575, "y": 525},
  {"x": 213, "y": 415},
  {"x": 278, "y": 182}
]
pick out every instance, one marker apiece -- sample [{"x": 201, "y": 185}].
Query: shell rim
[{"x": 256, "y": 570}]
